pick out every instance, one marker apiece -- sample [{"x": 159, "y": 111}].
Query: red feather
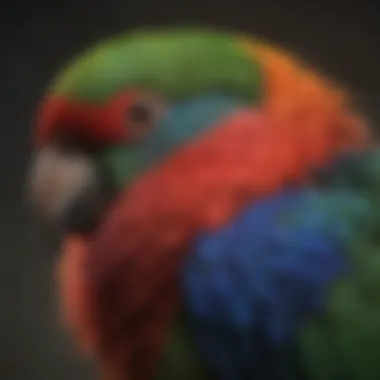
[
  {"x": 102, "y": 123},
  {"x": 131, "y": 268}
]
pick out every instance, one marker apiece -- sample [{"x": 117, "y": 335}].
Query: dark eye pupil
[{"x": 140, "y": 113}]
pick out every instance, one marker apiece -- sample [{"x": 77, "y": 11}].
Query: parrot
[{"x": 218, "y": 203}]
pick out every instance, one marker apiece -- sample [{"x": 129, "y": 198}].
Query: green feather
[
  {"x": 344, "y": 342},
  {"x": 176, "y": 63},
  {"x": 180, "y": 359}
]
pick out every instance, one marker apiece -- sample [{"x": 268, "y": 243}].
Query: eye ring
[{"x": 143, "y": 115}]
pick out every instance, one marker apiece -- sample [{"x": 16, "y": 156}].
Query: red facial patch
[{"x": 94, "y": 123}]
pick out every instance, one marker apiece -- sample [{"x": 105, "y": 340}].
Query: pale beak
[{"x": 67, "y": 189}]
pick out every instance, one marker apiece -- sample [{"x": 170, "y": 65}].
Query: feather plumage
[{"x": 218, "y": 231}]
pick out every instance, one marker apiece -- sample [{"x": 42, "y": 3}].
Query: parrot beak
[{"x": 67, "y": 189}]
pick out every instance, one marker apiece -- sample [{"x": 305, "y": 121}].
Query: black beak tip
[
  {"x": 80, "y": 216},
  {"x": 84, "y": 213}
]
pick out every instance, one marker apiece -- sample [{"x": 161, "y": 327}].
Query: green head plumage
[{"x": 175, "y": 63}]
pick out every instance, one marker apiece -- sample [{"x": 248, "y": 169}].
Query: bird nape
[{"x": 218, "y": 203}]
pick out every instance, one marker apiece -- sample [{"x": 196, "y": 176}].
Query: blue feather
[{"x": 249, "y": 286}]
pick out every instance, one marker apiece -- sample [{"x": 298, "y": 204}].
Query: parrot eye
[
  {"x": 140, "y": 113},
  {"x": 143, "y": 115}
]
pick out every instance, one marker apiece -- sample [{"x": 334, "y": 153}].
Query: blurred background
[{"x": 36, "y": 38}]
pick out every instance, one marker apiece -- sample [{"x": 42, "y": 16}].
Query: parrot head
[
  {"x": 124, "y": 106},
  {"x": 132, "y": 103}
]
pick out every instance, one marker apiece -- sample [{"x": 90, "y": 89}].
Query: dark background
[{"x": 37, "y": 38}]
